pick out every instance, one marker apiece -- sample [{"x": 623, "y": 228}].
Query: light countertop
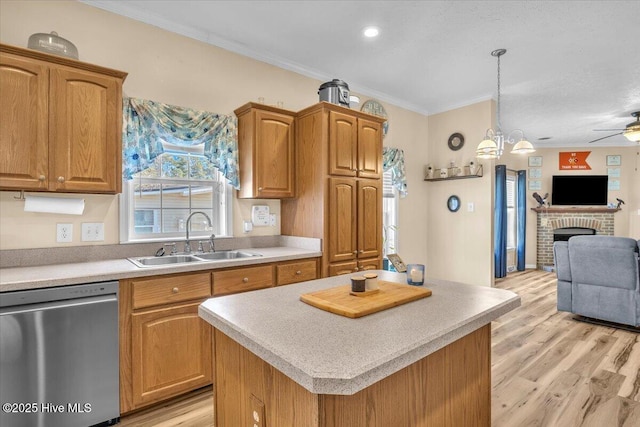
[
  {"x": 330, "y": 354},
  {"x": 36, "y": 277}
]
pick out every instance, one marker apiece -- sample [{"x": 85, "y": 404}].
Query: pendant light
[{"x": 492, "y": 146}]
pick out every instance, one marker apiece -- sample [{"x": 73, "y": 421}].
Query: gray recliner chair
[{"x": 598, "y": 277}]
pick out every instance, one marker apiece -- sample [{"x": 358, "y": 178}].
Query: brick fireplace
[{"x": 564, "y": 222}]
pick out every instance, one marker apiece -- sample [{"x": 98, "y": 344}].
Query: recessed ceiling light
[{"x": 371, "y": 32}]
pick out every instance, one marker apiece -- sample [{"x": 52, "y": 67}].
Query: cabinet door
[
  {"x": 343, "y": 144},
  {"x": 85, "y": 132},
  {"x": 171, "y": 353},
  {"x": 340, "y": 268},
  {"x": 369, "y": 264},
  {"x": 369, "y": 218},
  {"x": 369, "y": 149},
  {"x": 24, "y": 94},
  {"x": 274, "y": 155},
  {"x": 342, "y": 219}
]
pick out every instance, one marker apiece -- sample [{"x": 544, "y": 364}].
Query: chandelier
[{"x": 492, "y": 146}]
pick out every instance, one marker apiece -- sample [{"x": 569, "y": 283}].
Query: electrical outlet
[
  {"x": 93, "y": 231},
  {"x": 64, "y": 233}
]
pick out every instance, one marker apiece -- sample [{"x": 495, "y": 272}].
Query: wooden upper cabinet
[
  {"x": 369, "y": 149},
  {"x": 369, "y": 218},
  {"x": 355, "y": 146},
  {"x": 24, "y": 155},
  {"x": 61, "y": 123},
  {"x": 343, "y": 144},
  {"x": 86, "y": 117},
  {"x": 265, "y": 144}
]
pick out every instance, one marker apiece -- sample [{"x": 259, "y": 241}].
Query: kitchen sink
[
  {"x": 154, "y": 261},
  {"x": 212, "y": 256}
]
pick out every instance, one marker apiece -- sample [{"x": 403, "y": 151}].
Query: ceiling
[{"x": 570, "y": 66}]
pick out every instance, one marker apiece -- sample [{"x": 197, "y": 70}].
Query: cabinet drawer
[
  {"x": 242, "y": 279},
  {"x": 296, "y": 272},
  {"x": 152, "y": 291}
]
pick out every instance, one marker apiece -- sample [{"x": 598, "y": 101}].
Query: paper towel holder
[{"x": 20, "y": 197}]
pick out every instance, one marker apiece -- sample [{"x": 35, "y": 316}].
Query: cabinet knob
[
  {"x": 355, "y": 252},
  {"x": 41, "y": 178},
  {"x": 298, "y": 272},
  {"x": 361, "y": 251},
  {"x": 356, "y": 269},
  {"x": 175, "y": 290},
  {"x": 245, "y": 280},
  {"x": 61, "y": 179},
  {"x": 259, "y": 188}
]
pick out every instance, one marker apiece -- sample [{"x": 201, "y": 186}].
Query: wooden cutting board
[{"x": 338, "y": 300}]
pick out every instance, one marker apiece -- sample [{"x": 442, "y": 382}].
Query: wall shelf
[
  {"x": 575, "y": 210},
  {"x": 451, "y": 178}
]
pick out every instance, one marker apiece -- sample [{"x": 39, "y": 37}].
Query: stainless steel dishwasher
[{"x": 59, "y": 356}]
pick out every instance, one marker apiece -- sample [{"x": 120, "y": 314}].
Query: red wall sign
[{"x": 574, "y": 160}]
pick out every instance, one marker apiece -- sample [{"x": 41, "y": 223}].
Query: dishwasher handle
[{"x": 54, "y": 305}]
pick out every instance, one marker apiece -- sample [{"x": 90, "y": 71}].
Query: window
[
  {"x": 389, "y": 215},
  {"x": 158, "y": 200}
]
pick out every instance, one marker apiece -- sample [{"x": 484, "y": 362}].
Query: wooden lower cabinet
[
  {"x": 172, "y": 348},
  {"x": 448, "y": 388},
  {"x": 350, "y": 267},
  {"x": 166, "y": 349}
]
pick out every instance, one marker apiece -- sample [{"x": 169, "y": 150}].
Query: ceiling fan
[{"x": 631, "y": 131}]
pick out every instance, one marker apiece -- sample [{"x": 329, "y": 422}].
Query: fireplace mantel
[{"x": 575, "y": 210}]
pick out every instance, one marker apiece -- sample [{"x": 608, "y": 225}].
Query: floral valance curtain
[
  {"x": 147, "y": 123},
  {"x": 393, "y": 160}
]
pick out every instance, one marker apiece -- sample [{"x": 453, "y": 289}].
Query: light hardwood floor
[{"x": 547, "y": 369}]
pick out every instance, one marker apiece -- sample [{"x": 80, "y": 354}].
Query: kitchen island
[{"x": 424, "y": 363}]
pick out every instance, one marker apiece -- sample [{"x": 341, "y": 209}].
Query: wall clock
[
  {"x": 453, "y": 203},
  {"x": 456, "y": 141},
  {"x": 375, "y": 108}
]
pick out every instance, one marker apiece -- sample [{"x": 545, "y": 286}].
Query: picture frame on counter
[
  {"x": 535, "y": 161},
  {"x": 614, "y": 160}
]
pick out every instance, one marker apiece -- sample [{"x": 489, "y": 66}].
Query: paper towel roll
[{"x": 54, "y": 205}]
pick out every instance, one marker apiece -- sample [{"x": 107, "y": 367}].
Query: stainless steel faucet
[{"x": 187, "y": 244}]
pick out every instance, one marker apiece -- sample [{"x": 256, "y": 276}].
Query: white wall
[
  {"x": 460, "y": 244},
  {"x": 174, "y": 69}
]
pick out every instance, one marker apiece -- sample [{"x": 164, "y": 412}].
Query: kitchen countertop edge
[
  {"x": 45, "y": 276},
  {"x": 351, "y": 381}
]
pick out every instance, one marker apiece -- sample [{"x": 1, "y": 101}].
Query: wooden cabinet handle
[
  {"x": 298, "y": 272},
  {"x": 175, "y": 290},
  {"x": 61, "y": 179},
  {"x": 245, "y": 280},
  {"x": 41, "y": 178}
]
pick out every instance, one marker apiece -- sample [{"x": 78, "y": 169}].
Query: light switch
[
  {"x": 247, "y": 226},
  {"x": 471, "y": 207}
]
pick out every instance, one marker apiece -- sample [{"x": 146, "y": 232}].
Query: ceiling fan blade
[
  {"x": 605, "y": 137},
  {"x": 605, "y": 130}
]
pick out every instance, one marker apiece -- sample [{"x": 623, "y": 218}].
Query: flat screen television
[{"x": 579, "y": 190}]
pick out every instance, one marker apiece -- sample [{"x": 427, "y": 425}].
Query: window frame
[{"x": 127, "y": 213}]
